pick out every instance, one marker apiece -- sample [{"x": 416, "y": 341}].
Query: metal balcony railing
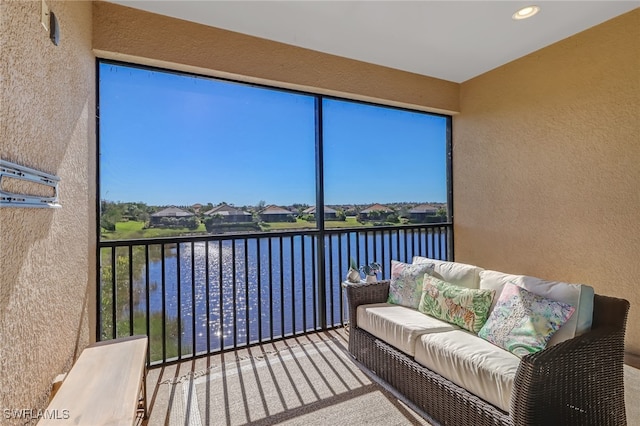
[{"x": 199, "y": 295}]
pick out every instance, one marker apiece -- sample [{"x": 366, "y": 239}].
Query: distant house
[
  {"x": 329, "y": 213},
  {"x": 228, "y": 214},
  {"x": 169, "y": 212},
  {"x": 423, "y": 212},
  {"x": 376, "y": 211},
  {"x": 277, "y": 214},
  {"x": 350, "y": 210}
]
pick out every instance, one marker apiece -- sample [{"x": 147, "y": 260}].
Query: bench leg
[
  {"x": 144, "y": 394},
  {"x": 142, "y": 402}
]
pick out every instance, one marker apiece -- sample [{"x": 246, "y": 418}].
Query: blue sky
[{"x": 177, "y": 139}]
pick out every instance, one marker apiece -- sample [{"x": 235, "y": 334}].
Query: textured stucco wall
[
  {"x": 545, "y": 148},
  {"x": 547, "y": 165},
  {"x": 150, "y": 39},
  {"x": 47, "y": 261}
]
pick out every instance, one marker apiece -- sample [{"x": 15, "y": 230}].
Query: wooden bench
[{"x": 106, "y": 385}]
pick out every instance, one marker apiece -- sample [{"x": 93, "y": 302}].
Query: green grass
[
  {"x": 155, "y": 333},
  {"x": 298, "y": 224},
  {"x": 134, "y": 230},
  {"x": 350, "y": 222},
  {"x": 129, "y": 226}
]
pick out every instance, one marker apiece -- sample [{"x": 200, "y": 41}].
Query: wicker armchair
[{"x": 577, "y": 382}]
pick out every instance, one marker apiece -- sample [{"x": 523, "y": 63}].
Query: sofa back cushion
[
  {"x": 405, "y": 286},
  {"x": 464, "y": 307},
  {"x": 523, "y": 322},
  {"x": 457, "y": 273},
  {"x": 578, "y": 295}
]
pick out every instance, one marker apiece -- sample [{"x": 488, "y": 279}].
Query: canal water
[{"x": 258, "y": 289}]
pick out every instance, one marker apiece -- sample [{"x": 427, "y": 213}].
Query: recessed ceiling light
[{"x": 526, "y": 12}]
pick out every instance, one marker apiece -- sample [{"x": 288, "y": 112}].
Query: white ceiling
[{"x": 452, "y": 40}]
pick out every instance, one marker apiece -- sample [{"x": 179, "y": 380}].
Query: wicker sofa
[{"x": 576, "y": 382}]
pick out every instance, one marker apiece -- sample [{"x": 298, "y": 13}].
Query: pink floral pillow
[
  {"x": 523, "y": 322},
  {"x": 405, "y": 287}
]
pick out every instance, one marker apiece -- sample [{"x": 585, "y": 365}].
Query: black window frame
[{"x": 319, "y": 148}]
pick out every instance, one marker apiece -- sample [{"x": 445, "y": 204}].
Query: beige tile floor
[{"x": 156, "y": 393}]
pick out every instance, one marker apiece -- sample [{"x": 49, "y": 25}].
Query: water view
[{"x": 229, "y": 292}]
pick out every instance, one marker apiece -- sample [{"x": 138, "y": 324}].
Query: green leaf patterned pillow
[
  {"x": 523, "y": 322},
  {"x": 464, "y": 307},
  {"x": 405, "y": 287}
]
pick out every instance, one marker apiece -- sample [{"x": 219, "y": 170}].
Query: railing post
[
  {"x": 450, "y": 248},
  {"x": 322, "y": 287}
]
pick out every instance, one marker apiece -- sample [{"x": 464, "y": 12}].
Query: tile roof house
[
  {"x": 229, "y": 214},
  {"x": 172, "y": 211},
  {"x": 277, "y": 214},
  {"x": 423, "y": 212},
  {"x": 375, "y": 211},
  {"x": 329, "y": 213}
]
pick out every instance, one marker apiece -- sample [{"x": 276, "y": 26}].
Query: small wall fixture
[
  {"x": 54, "y": 29},
  {"x": 50, "y": 23},
  {"x": 525, "y": 12}
]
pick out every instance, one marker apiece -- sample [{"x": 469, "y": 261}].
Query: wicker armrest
[
  {"x": 579, "y": 381},
  {"x": 363, "y": 294}
]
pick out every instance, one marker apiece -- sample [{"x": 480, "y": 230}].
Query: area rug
[{"x": 315, "y": 383}]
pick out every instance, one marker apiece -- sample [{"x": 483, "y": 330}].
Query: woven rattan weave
[{"x": 577, "y": 382}]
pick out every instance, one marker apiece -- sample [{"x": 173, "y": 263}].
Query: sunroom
[{"x": 543, "y": 174}]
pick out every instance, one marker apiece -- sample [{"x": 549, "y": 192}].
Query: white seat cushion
[
  {"x": 470, "y": 362},
  {"x": 398, "y": 325},
  {"x": 579, "y": 296},
  {"x": 457, "y": 273}
]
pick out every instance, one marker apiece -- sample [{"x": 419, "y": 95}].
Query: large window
[
  {"x": 384, "y": 165},
  {"x": 185, "y": 154},
  {"x": 248, "y": 186}
]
